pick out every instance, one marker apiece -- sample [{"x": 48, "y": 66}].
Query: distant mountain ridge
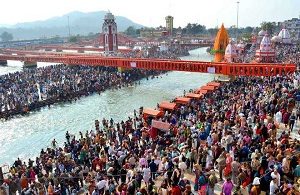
[{"x": 80, "y": 23}]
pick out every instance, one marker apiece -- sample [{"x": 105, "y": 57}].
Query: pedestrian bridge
[{"x": 231, "y": 69}]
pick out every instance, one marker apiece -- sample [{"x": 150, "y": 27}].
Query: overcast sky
[{"x": 152, "y": 12}]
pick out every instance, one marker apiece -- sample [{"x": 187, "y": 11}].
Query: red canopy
[
  {"x": 167, "y": 105},
  {"x": 182, "y": 100},
  {"x": 193, "y": 95}
]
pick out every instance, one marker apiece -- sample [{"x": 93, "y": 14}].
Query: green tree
[
  {"x": 73, "y": 39},
  {"x": 248, "y": 29},
  {"x": 91, "y": 34},
  {"x": 130, "y": 31},
  {"x": 212, "y": 31},
  {"x": 193, "y": 29},
  {"x": 138, "y": 32},
  {"x": 268, "y": 26},
  {"x": 5, "y": 36}
]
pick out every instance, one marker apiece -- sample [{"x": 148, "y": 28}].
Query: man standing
[
  {"x": 153, "y": 169},
  {"x": 292, "y": 121},
  {"x": 235, "y": 166},
  {"x": 212, "y": 180},
  {"x": 221, "y": 164}
]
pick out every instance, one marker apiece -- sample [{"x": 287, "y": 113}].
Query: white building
[
  {"x": 265, "y": 53},
  {"x": 285, "y": 36},
  {"x": 231, "y": 54}
]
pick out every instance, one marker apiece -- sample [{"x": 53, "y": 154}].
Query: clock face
[{"x": 105, "y": 29}]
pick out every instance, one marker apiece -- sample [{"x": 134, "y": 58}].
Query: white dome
[
  {"x": 276, "y": 39},
  {"x": 285, "y": 36},
  {"x": 230, "y": 49},
  {"x": 262, "y": 33},
  {"x": 265, "y": 44}
]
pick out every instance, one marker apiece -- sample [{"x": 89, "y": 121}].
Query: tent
[
  {"x": 193, "y": 95},
  {"x": 201, "y": 91},
  {"x": 160, "y": 125},
  {"x": 208, "y": 88},
  {"x": 215, "y": 84},
  {"x": 167, "y": 105},
  {"x": 151, "y": 112},
  {"x": 182, "y": 100}
]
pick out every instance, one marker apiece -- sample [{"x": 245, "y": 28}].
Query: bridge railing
[{"x": 234, "y": 69}]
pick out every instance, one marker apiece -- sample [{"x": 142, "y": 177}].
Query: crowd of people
[
  {"x": 21, "y": 92},
  {"x": 236, "y": 137},
  {"x": 288, "y": 53},
  {"x": 170, "y": 51}
]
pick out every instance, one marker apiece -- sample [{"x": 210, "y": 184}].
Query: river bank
[{"x": 31, "y": 89}]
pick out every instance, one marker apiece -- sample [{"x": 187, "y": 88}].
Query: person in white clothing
[
  {"x": 277, "y": 175},
  {"x": 278, "y": 117},
  {"x": 146, "y": 175},
  {"x": 273, "y": 186}
]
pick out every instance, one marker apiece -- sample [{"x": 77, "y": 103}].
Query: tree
[
  {"x": 248, "y": 29},
  {"x": 192, "y": 29},
  {"x": 212, "y": 31},
  {"x": 130, "y": 31},
  {"x": 268, "y": 26},
  {"x": 5, "y": 36},
  {"x": 73, "y": 39},
  {"x": 91, "y": 34},
  {"x": 138, "y": 32}
]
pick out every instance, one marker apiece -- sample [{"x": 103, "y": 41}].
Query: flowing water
[{"x": 25, "y": 136}]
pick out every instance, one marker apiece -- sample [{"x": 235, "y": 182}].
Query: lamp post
[{"x": 237, "y": 19}]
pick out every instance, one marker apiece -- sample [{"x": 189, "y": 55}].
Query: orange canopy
[
  {"x": 215, "y": 84},
  {"x": 201, "y": 91},
  {"x": 167, "y": 105},
  {"x": 152, "y": 112},
  {"x": 208, "y": 88},
  {"x": 183, "y": 100},
  {"x": 193, "y": 95}
]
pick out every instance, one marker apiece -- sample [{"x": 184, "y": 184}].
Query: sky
[{"x": 151, "y": 13}]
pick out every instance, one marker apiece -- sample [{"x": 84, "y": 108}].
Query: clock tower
[{"x": 109, "y": 30}]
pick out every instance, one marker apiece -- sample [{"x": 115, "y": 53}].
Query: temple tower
[
  {"x": 220, "y": 44},
  {"x": 109, "y": 29}
]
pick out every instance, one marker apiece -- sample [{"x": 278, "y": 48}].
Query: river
[{"x": 25, "y": 136}]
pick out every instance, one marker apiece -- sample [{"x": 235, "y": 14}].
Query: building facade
[
  {"x": 109, "y": 30},
  {"x": 169, "y": 24},
  {"x": 293, "y": 26}
]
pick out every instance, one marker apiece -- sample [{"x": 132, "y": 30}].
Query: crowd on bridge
[
  {"x": 27, "y": 90},
  {"x": 237, "y": 137},
  {"x": 170, "y": 52}
]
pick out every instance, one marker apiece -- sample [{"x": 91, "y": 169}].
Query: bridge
[
  {"x": 79, "y": 49},
  {"x": 231, "y": 69}
]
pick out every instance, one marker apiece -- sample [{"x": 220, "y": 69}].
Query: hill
[{"x": 80, "y": 23}]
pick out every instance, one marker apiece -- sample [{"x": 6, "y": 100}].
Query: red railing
[{"x": 234, "y": 69}]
